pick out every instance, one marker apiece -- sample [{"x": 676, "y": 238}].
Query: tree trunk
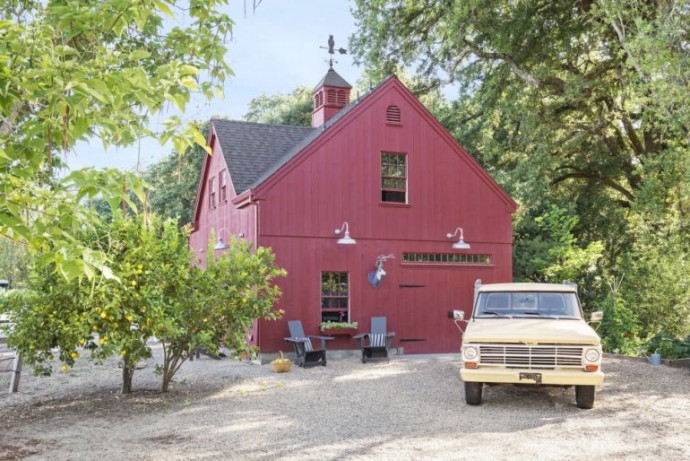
[
  {"x": 171, "y": 364},
  {"x": 167, "y": 379},
  {"x": 127, "y": 375}
]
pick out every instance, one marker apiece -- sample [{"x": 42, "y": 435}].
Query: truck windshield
[{"x": 527, "y": 304}]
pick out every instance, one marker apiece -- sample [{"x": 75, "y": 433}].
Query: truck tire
[
  {"x": 473, "y": 393},
  {"x": 584, "y": 395}
]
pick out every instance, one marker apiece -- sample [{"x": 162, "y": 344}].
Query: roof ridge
[{"x": 247, "y": 122}]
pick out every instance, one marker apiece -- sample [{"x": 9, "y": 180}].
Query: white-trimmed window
[
  {"x": 222, "y": 187},
  {"x": 335, "y": 297},
  {"x": 212, "y": 193},
  {"x": 393, "y": 178}
]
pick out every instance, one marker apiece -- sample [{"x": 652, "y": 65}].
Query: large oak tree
[{"x": 582, "y": 104}]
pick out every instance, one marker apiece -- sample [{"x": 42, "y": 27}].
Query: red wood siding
[
  {"x": 338, "y": 178},
  {"x": 226, "y": 219}
]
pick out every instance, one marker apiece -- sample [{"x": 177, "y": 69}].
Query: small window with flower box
[
  {"x": 335, "y": 297},
  {"x": 393, "y": 178}
]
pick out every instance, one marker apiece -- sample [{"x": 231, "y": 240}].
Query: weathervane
[{"x": 331, "y": 50}]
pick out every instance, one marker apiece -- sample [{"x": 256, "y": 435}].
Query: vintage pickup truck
[{"x": 529, "y": 334}]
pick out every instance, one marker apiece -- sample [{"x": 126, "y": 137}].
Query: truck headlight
[
  {"x": 592, "y": 355},
  {"x": 470, "y": 352}
]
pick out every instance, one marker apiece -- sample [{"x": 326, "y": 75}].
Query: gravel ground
[{"x": 408, "y": 409}]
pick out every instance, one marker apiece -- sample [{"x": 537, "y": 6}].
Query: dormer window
[{"x": 393, "y": 114}]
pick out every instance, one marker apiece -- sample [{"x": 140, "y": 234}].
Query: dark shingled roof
[
  {"x": 251, "y": 149},
  {"x": 254, "y": 151},
  {"x": 332, "y": 78}
]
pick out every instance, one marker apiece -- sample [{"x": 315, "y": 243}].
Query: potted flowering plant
[{"x": 339, "y": 328}]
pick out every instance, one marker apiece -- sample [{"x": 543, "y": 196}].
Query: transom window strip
[{"x": 446, "y": 258}]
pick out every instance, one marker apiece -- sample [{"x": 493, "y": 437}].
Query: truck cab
[{"x": 530, "y": 334}]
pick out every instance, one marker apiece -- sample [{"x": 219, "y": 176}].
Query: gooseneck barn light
[
  {"x": 460, "y": 244},
  {"x": 220, "y": 245},
  {"x": 345, "y": 239}
]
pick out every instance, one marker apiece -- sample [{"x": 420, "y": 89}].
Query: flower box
[
  {"x": 339, "y": 328},
  {"x": 339, "y": 331}
]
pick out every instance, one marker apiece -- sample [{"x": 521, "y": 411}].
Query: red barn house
[{"x": 382, "y": 168}]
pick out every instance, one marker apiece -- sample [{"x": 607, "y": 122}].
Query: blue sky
[{"x": 273, "y": 49}]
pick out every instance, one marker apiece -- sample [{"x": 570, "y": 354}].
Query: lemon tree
[{"x": 158, "y": 292}]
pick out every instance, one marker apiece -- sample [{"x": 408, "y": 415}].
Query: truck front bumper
[{"x": 532, "y": 376}]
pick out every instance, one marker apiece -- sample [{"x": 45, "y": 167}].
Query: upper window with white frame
[
  {"x": 212, "y": 192},
  {"x": 393, "y": 178},
  {"x": 222, "y": 187}
]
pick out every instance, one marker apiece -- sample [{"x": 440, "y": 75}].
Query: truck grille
[{"x": 523, "y": 356}]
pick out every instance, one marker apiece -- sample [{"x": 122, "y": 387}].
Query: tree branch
[
  {"x": 553, "y": 82},
  {"x": 8, "y": 123},
  {"x": 593, "y": 177}
]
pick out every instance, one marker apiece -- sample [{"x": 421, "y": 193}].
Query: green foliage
[
  {"x": 174, "y": 181},
  {"x": 80, "y": 70},
  {"x": 620, "y": 327},
  {"x": 330, "y": 325},
  {"x": 546, "y": 249},
  {"x": 242, "y": 289},
  {"x": 279, "y": 109},
  {"x": 14, "y": 262},
  {"x": 657, "y": 275},
  {"x": 668, "y": 345},
  {"x": 159, "y": 293}
]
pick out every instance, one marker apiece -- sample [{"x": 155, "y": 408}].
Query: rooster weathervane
[{"x": 331, "y": 50}]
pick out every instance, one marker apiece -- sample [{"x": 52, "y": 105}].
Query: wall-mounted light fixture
[
  {"x": 460, "y": 244},
  {"x": 220, "y": 245},
  {"x": 345, "y": 239}
]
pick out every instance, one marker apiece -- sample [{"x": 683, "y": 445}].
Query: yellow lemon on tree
[{"x": 64, "y": 368}]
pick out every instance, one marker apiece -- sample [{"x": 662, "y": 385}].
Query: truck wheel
[
  {"x": 473, "y": 393},
  {"x": 584, "y": 395}
]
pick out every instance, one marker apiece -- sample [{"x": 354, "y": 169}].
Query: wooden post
[{"x": 16, "y": 373}]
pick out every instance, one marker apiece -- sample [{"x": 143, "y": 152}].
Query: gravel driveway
[{"x": 409, "y": 409}]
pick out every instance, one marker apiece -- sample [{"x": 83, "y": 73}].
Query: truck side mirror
[
  {"x": 456, "y": 315},
  {"x": 597, "y": 316}
]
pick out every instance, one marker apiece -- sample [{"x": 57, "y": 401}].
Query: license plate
[{"x": 536, "y": 377}]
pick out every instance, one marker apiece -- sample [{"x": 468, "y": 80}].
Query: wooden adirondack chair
[
  {"x": 307, "y": 354},
  {"x": 377, "y": 343}
]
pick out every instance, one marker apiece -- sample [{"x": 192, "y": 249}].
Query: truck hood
[{"x": 530, "y": 331}]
